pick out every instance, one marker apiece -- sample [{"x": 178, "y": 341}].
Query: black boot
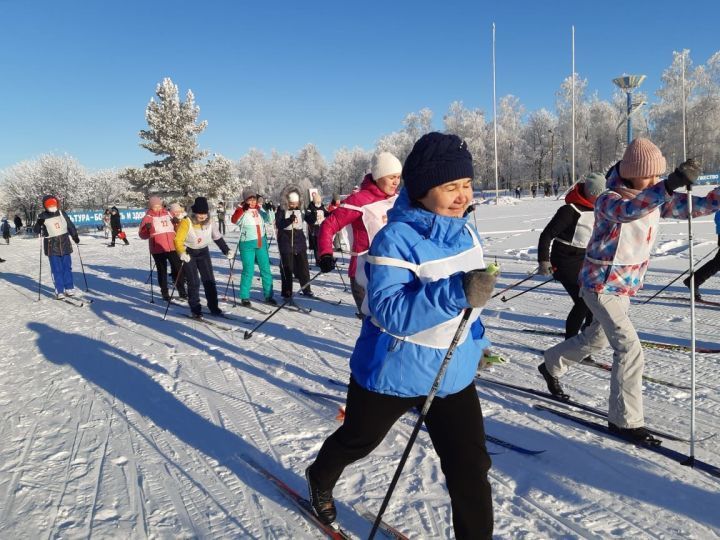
[
  {"x": 553, "y": 384},
  {"x": 270, "y": 300},
  {"x": 165, "y": 294},
  {"x": 638, "y": 435},
  {"x": 321, "y": 500},
  {"x": 686, "y": 281},
  {"x": 245, "y": 302}
]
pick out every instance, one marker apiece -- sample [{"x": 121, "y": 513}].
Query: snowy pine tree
[{"x": 172, "y": 133}]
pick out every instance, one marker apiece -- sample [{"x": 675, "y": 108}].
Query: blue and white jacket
[{"x": 413, "y": 309}]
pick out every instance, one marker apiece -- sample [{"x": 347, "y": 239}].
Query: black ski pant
[
  {"x": 114, "y": 236},
  {"x": 200, "y": 263},
  {"x": 709, "y": 269},
  {"x": 580, "y": 316},
  {"x": 293, "y": 265},
  {"x": 161, "y": 261},
  {"x": 358, "y": 293},
  {"x": 455, "y": 425}
]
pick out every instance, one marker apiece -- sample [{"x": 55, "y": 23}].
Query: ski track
[{"x": 107, "y": 470}]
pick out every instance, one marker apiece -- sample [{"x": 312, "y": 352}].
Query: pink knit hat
[
  {"x": 154, "y": 200},
  {"x": 641, "y": 160}
]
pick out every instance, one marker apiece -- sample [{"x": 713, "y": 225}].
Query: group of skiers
[{"x": 417, "y": 272}]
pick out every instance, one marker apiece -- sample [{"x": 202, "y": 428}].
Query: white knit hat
[
  {"x": 293, "y": 197},
  {"x": 384, "y": 164}
]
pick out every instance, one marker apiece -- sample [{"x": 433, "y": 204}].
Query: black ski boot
[
  {"x": 553, "y": 384},
  {"x": 197, "y": 316},
  {"x": 638, "y": 435},
  {"x": 271, "y": 301},
  {"x": 245, "y": 302},
  {"x": 165, "y": 294},
  {"x": 686, "y": 282},
  {"x": 321, "y": 500}
]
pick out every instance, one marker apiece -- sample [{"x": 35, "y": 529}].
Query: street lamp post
[
  {"x": 552, "y": 151},
  {"x": 628, "y": 83}
]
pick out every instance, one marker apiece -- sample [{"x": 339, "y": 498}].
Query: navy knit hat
[
  {"x": 200, "y": 206},
  {"x": 435, "y": 159}
]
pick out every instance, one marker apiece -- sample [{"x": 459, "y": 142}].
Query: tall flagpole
[
  {"x": 497, "y": 192},
  {"x": 572, "y": 174}
]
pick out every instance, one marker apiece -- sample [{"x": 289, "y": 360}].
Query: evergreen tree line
[{"x": 533, "y": 147}]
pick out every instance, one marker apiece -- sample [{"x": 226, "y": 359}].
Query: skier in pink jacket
[
  {"x": 157, "y": 227},
  {"x": 366, "y": 213}
]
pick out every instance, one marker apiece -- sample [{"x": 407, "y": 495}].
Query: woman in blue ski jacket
[{"x": 423, "y": 270}]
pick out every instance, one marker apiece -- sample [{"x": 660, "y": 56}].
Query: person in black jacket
[
  {"x": 116, "y": 227},
  {"x": 57, "y": 229},
  {"x": 571, "y": 228},
  {"x": 18, "y": 224},
  {"x": 291, "y": 242},
  {"x": 314, "y": 216}
]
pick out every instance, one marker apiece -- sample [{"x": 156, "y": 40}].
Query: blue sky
[{"x": 77, "y": 75}]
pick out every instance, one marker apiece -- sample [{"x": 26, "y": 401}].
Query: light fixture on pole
[{"x": 628, "y": 83}]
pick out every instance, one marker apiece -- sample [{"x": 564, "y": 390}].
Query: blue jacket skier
[{"x": 423, "y": 270}]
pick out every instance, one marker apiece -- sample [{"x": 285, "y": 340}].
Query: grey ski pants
[{"x": 611, "y": 325}]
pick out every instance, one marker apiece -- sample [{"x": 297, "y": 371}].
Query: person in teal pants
[{"x": 253, "y": 247}]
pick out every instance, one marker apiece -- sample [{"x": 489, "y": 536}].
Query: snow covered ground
[{"x": 117, "y": 424}]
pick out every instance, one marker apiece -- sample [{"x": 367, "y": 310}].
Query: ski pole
[
  {"x": 528, "y": 290},
  {"x": 690, "y": 461},
  {"x": 232, "y": 281},
  {"x": 152, "y": 266},
  {"x": 248, "y": 333},
  {"x": 82, "y": 267},
  {"x": 232, "y": 265},
  {"x": 172, "y": 292},
  {"x": 342, "y": 279},
  {"x": 40, "y": 274},
  {"x": 152, "y": 293},
  {"x": 506, "y": 289},
  {"x": 421, "y": 419},
  {"x": 681, "y": 275}
]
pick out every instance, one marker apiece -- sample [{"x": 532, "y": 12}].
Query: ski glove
[
  {"x": 184, "y": 257},
  {"x": 327, "y": 263},
  {"x": 685, "y": 175},
  {"x": 76, "y": 239},
  {"x": 545, "y": 268},
  {"x": 230, "y": 254},
  {"x": 478, "y": 286},
  {"x": 148, "y": 226}
]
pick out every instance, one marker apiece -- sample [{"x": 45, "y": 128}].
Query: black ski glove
[
  {"x": 685, "y": 175},
  {"x": 479, "y": 286},
  {"x": 327, "y": 263},
  {"x": 76, "y": 239}
]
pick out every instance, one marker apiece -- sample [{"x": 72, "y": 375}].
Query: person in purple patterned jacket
[{"x": 617, "y": 256}]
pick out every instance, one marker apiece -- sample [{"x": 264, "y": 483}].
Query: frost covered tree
[
  {"x": 215, "y": 175},
  {"x": 308, "y": 168},
  {"x": 511, "y": 146},
  {"x": 172, "y": 133},
  {"x": 538, "y": 136},
  {"x": 702, "y": 109},
  {"x": 399, "y": 143},
  {"x": 347, "y": 170},
  {"x": 469, "y": 125},
  {"x": 25, "y": 183}
]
